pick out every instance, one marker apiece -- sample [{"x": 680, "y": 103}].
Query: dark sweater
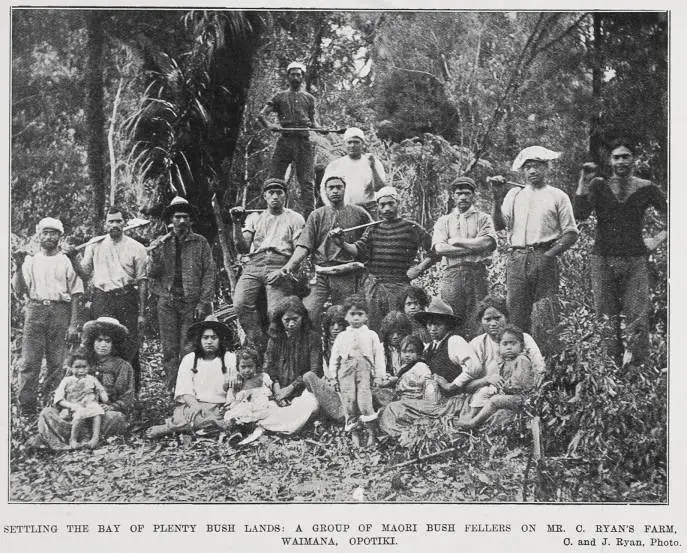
[
  {"x": 619, "y": 227},
  {"x": 288, "y": 358},
  {"x": 390, "y": 248}
]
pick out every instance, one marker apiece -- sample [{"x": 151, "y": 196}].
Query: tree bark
[
  {"x": 95, "y": 118},
  {"x": 595, "y": 141}
]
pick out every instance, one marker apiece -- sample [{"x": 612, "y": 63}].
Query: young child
[
  {"x": 333, "y": 324},
  {"x": 253, "y": 400},
  {"x": 79, "y": 395},
  {"x": 415, "y": 377},
  {"x": 395, "y": 326},
  {"x": 516, "y": 378},
  {"x": 357, "y": 358}
]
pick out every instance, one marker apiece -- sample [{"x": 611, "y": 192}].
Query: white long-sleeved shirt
[{"x": 361, "y": 341}]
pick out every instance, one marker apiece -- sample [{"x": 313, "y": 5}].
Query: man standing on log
[
  {"x": 541, "y": 226},
  {"x": 295, "y": 108},
  {"x": 269, "y": 238},
  {"x": 466, "y": 238},
  {"x": 182, "y": 274},
  {"x": 336, "y": 277},
  {"x": 117, "y": 264},
  {"x": 54, "y": 290},
  {"x": 620, "y": 274},
  {"x": 364, "y": 173},
  {"x": 389, "y": 249}
]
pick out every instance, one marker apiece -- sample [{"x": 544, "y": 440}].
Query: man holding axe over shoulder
[
  {"x": 117, "y": 265},
  {"x": 337, "y": 274}
]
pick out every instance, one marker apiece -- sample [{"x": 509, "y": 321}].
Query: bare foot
[
  {"x": 155, "y": 432},
  {"x": 355, "y": 438},
  {"x": 462, "y": 424},
  {"x": 73, "y": 444},
  {"x": 92, "y": 444}
]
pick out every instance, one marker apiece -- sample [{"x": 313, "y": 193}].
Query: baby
[
  {"x": 516, "y": 377},
  {"x": 79, "y": 395}
]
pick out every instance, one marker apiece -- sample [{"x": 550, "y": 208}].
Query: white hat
[
  {"x": 534, "y": 153},
  {"x": 353, "y": 132},
  {"x": 49, "y": 223},
  {"x": 295, "y": 65},
  {"x": 386, "y": 192}
]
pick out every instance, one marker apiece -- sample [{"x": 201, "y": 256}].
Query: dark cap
[
  {"x": 273, "y": 183},
  {"x": 463, "y": 182}
]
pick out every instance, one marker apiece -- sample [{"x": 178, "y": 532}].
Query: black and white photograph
[{"x": 277, "y": 256}]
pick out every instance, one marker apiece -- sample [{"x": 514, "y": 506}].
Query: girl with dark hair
[
  {"x": 415, "y": 300},
  {"x": 395, "y": 326},
  {"x": 203, "y": 379},
  {"x": 103, "y": 339}
]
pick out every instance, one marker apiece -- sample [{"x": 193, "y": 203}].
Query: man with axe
[
  {"x": 117, "y": 265},
  {"x": 296, "y": 109},
  {"x": 337, "y": 274},
  {"x": 54, "y": 290}
]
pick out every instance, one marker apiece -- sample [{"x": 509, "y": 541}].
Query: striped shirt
[{"x": 391, "y": 247}]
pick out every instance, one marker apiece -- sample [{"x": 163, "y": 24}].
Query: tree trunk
[
  {"x": 595, "y": 140},
  {"x": 95, "y": 118}
]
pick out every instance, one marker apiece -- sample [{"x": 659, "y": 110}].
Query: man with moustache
[
  {"x": 337, "y": 278},
  {"x": 466, "y": 238},
  {"x": 53, "y": 289},
  {"x": 117, "y": 266},
  {"x": 620, "y": 274},
  {"x": 182, "y": 275},
  {"x": 269, "y": 239},
  {"x": 295, "y": 108},
  {"x": 540, "y": 224}
]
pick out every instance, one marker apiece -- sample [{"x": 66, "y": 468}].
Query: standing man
[
  {"x": 541, "y": 226},
  {"x": 620, "y": 275},
  {"x": 336, "y": 277},
  {"x": 466, "y": 238},
  {"x": 269, "y": 238},
  {"x": 117, "y": 264},
  {"x": 294, "y": 108},
  {"x": 363, "y": 173},
  {"x": 390, "y": 249},
  {"x": 54, "y": 289},
  {"x": 182, "y": 274}
]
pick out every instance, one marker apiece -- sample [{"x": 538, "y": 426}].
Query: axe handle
[
  {"x": 361, "y": 226},
  {"x": 102, "y": 237}
]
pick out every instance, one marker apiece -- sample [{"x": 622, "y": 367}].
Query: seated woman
[
  {"x": 415, "y": 300},
  {"x": 452, "y": 362},
  {"x": 294, "y": 350},
  {"x": 103, "y": 340},
  {"x": 493, "y": 315},
  {"x": 203, "y": 379}
]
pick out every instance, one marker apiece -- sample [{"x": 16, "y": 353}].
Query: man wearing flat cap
[
  {"x": 269, "y": 239},
  {"x": 363, "y": 173},
  {"x": 541, "y": 226},
  {"x": 182, "y": 275},
  {"x": 389, "y": 250},
  {"x": 53, "y": 289},
  {"x": 466, "y": 239},
  {"x": 295, "y": 108}
]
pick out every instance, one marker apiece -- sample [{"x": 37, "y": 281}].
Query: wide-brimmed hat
[
  {"x": 179, "y": 205},
  {"x": 109, "y": 326},
  {"x": 213, "y": 323},
  {"x": 534, "y": 153},
  {"x": 438, "y": 309}
]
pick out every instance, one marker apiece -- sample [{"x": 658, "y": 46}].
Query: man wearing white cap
[
  {"x": 390, "y": 249},
  {"x": 541, "y": 226},
  {"x": 54, "y": 289},
  {"x": 363, "y": 173},
  {"x": 295, "y": 108}
]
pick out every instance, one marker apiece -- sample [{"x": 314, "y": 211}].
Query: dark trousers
[
  {"x": 463, "y": 287},
  {"x": 381, "y": 298},
  {"x": 299, "y": 150},
  {"x": 337, "y": 288},
  {"x": 621, "y": 286},
  {"x": 122, "y": 304},
  {"x": 532, "y": 295},
  {"x": 45, "y": 328},
  {"x": 175, "y": 316}
]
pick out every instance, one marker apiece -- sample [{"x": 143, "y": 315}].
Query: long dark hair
[
  {"x": 117, "y": 344},
  {"x": 290, "y": 304},
  {"x": 497, "y": 302},
  {"x": 199, "y": 353}
]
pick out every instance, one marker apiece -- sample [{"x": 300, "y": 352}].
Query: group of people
[{"x": 363, "y": 347}]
